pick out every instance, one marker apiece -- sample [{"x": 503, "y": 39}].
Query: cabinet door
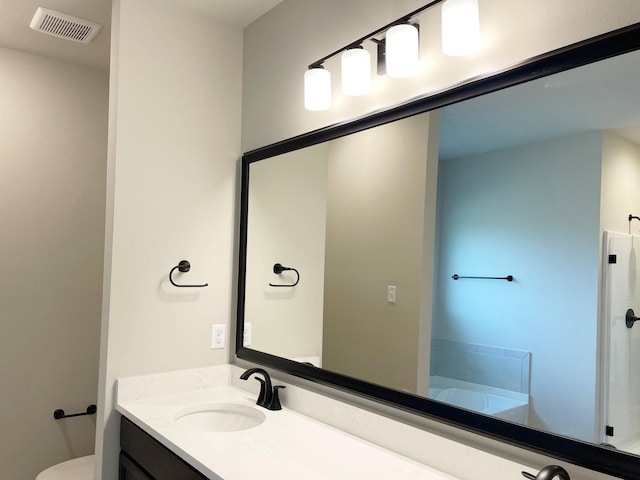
[
  {"x": 152, "y": 458},
  {"x": 130, "y": 471}
]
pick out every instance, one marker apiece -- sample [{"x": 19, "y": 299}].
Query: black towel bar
[
  {"x": 508, "y": 278},
  {"x": 59, "y": 414}
]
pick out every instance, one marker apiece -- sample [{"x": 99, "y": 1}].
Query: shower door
[{"x": 621, "y": 345}]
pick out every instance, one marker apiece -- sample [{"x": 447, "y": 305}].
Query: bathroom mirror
[{"x": 467, "y": 256}]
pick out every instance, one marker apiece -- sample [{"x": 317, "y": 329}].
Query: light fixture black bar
[{"x": 358, "y": 42}]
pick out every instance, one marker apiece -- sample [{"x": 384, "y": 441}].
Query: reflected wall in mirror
[
  {"x": 352, "y": 222},
  {"x": 535, "y": 181}
]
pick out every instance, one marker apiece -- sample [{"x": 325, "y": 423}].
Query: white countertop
[{"x": 286, "y": 445}]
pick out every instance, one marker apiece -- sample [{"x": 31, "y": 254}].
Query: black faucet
[{"x": 268, "y": 396}]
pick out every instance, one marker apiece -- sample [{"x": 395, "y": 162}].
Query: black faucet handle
[
  {"x": 275, "y": 399},
  {"x": 263, "y": 392}
]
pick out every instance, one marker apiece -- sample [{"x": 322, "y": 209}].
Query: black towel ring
[
  {"x": 184, "y": 266},
  {"x": 278, "y": 269}
]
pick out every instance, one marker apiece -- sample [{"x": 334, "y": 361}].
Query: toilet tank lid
[{"x": 76, "y": 469}]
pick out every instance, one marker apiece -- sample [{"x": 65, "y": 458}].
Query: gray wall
[
  {"x": 174, "y": 146},
  {"x": 620, "y": 180},
  {"x": 53, "y": 139},
  {"x": 380, "y": 189},
  {"x": 286, "y": 224},
  {"x": 525, "y": 212}
]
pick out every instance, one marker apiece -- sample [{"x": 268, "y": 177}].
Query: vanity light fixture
[
  {"x": 460, "y": 27},
  {"x": 398, "y": 52},
  {"x": 402, "y": 51},
  {"x": 317, "y": 88},
  {"x": 356, "y": 71}
]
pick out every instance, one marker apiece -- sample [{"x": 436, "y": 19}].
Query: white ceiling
[
  {"x": 15, "y": 16},
  {"x": 601, "y": 96}
]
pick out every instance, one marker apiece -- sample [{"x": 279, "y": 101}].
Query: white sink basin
[{"x": 220, "y": 417}]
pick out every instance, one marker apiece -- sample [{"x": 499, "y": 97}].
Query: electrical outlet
[
  {"x": 246, "y": 337},
  {"x": 218, "y": 337}
]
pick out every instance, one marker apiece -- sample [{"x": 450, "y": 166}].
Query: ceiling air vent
[{"x": 62, "y": 25}]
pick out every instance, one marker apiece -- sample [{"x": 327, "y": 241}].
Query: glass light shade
[
  {"x": 317, "y": 89},
  {"x": 402, "y": 51},
  {"x": 356, "y": 72},
  {"x": 460, "y": 27}
]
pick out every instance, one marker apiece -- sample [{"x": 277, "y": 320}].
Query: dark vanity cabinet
[{"x": 142, "y": 457}]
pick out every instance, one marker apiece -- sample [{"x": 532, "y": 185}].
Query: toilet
[{"x": 76, "y": 469}]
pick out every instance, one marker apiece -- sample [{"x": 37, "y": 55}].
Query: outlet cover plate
[{"x": 218, "y": 335}]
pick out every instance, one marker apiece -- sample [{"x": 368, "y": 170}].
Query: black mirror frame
[{"x": 601, "y": 459}]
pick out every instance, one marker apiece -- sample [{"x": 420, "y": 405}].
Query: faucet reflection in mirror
[
  {"x": 398, "y": 52},
  {"x": 549, "y": 472}
]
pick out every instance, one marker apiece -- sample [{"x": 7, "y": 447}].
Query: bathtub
[{"x": 497, "y": 402}]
